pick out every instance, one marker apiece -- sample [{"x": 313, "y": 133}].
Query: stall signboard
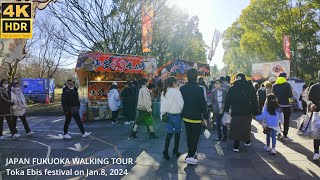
[
  {"x": 262, "y": 71},
  {"x": 179, "y": 68},
  {"x": 104, "y": 62},
  {"x": 98, "y": 90}
]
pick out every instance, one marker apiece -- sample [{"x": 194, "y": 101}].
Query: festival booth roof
[
  {"x": 296, "y": 80},
  {"x": 179, "y": 68},
  {"x": 116, "y": 63}
]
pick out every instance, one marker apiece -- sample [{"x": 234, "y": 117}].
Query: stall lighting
[{"x": 98, "y": 78}]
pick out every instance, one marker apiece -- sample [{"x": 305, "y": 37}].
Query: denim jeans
[
  {"x": 174, "y": 123},
  {"x": 272, "y": 134},
  {"x": 219, "y": 124}
]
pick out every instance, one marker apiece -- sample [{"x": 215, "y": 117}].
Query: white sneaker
[
  {"x": 114, "y": 122},
  {"x": 86, "y": 134},
  {"x": 191, "y": 160},
  {"x": 273, "y": 151},
  {"x": 131, "y": 122},
  {"x": 127, "y": 123},
  {"x": 16, "y": 136},
  {"x": 30, "y": 133},
  {"x": 2, "y": 137},
  {"x": 267, "y": 148},
  {"x": 67, "y": 136},
  {"x": 235, "y": 150},
  {"x": 248, "y": 145},
  {"x": 316, "y": 156},
  {"x": 287, "y": 139}
]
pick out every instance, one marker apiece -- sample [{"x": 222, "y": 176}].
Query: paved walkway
[{"x": 216, "y": 160}]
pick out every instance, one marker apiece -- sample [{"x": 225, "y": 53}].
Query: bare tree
[
  {"x": 100, "y": 25},
  {"x": 48, "y": 51}
]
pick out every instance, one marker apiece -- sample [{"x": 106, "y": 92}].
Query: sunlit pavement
[{"x": 216, "y": 160}]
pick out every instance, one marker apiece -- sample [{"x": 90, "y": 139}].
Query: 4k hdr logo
[{"x": 16, "y": 20}]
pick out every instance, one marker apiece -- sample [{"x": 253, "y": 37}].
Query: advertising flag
[
  {"x": 286, "y": 46},
  {"x": 147, "y": 17}
]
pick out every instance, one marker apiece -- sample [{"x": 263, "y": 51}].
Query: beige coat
[
  {"x": 17, "y": 111},
  {"x": 144, "y": 99}
]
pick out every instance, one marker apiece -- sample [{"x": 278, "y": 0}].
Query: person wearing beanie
[
  {"x": 283, "y": 91},
  {"x": 314, "y": 106},
  {"x": 242, "y": 100},
  {"x": 272, "y": 80}
]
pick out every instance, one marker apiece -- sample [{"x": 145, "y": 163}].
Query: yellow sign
[{"x": 16, "y": 20}]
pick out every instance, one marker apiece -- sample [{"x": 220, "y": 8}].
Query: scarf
[{"x": 21, "y": 100}]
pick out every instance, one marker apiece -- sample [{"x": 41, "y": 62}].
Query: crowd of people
[
  {"x": 192, "y": 103},
  {"x": 13, "y": 105}
]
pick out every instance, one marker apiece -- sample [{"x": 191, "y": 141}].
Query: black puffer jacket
[
  {"x": 314, "y": 96},
  {"x": 283, "y": 91},
  {"x": 239, "y": 97},
  {"x": 69, "y": 98},
  {"x": 5, "y": 103}
]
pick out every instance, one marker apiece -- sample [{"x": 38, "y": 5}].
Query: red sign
[
  {"x": 147, "y": 16},
  {"x": 286, "y": 46},
  {"x": 102, "y": 62}
]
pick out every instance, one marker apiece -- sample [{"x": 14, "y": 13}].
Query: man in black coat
[
  {"x": 128, "y": 96},
  {"x": 283, "y": 91},
  {"x": 194, "y": 109},
  {"x": 71, "y": 104},
  {"x": 314, "y": 104}
]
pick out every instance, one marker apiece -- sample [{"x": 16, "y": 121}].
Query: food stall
[
  {"x": 178, "y": 68},
  {"x": 96, "y": 71}
]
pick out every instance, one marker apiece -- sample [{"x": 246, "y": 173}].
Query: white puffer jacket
[
  {"x": 16, "y": 110},
  {"x": 114, "y": 99}
]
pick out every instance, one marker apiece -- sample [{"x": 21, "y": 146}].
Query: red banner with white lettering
[{"x": 286, "y": 46}]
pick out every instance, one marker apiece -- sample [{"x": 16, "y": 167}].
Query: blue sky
[{"x": 214, "y": 14}]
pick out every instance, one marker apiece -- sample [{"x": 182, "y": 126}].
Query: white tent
[{"x": 297, "y": 86}]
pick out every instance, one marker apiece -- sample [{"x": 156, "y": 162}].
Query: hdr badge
[{"x": 16, "y": 20}]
